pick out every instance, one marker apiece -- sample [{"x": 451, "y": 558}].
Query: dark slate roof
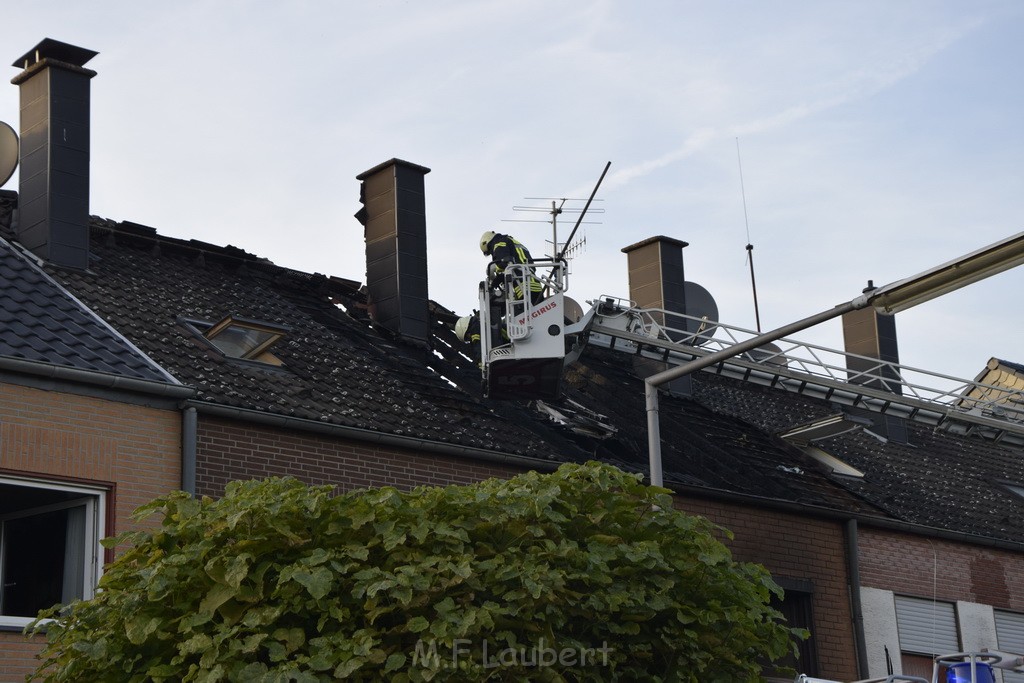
[
  {"x": 932, "y": 477},
  {"x": 41, "y": 322},
  {"x": 339, "y": 369}
]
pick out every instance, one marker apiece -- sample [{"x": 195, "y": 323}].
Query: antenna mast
[
  {"x": 559, "y": 255},
  {"x": 750, "y": 247}
]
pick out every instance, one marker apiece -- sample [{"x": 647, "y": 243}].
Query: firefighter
[
  {"x": 467, "y": 329},
  {"x": 505, "y": 250}
]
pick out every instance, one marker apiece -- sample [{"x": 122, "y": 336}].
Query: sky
[{"x": 847, "y": 141}]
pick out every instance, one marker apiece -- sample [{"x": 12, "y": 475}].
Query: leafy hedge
[{"x": 581, "y": 575}]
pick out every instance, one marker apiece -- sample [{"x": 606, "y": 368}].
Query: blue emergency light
[{"x": 961, "y": 673}]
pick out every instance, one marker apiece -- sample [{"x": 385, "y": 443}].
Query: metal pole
[{"x": 558, "y": 255}]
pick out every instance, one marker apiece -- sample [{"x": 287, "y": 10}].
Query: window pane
[
  {"x": 796, "y": 609},
  {"x": 33, "y": 571},
  {"x": 239, "y": 341}
]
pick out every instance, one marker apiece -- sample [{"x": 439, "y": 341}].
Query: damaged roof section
[{"x": 336, "y": 367}]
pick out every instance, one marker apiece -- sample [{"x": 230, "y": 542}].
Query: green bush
[{"x": 581, "y": 575}]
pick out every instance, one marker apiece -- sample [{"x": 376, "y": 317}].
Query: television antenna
[{"x": 559, "y": 206}]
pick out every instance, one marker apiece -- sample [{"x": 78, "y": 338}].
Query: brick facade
[
  {"x": 941, "y": 569},
  {"x": 803, "y": 549},
  {"x": 132, "y": 451},
  {"x": 229, "y": 450}
]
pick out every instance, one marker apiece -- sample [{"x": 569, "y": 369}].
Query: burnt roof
[{"x": 340, "y": 369}]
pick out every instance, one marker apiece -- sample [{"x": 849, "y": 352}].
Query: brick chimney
[
  {"x": 866, "y": 332},
  {"x": 656, "y": 273},
  {"x": 54, "y": 182},
  {"x": 395, "y": 227},
  {"x": 656, "y": 281}
]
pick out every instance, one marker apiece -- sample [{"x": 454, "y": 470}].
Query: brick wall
[
  {"x": 800, "y": 548},
  {"x": 922, "y": 567},
  {"x": 229, "y": 450},
  {"x": 133, "y": 450}
]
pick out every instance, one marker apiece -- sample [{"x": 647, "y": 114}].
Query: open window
[
  {"x": 242, "y": 338},
  {"x": 49, "y": 546}
]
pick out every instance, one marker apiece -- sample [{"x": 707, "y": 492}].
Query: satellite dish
[
  {"x": 573, "y": 311},
  {"x": 8, "y": 152},
  {"x": 700, "y": 304},
  {"x": 769, "y": 354}
]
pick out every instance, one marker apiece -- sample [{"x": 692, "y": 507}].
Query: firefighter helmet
[
  {"x": 485, "y": 241},
  {"x": 461, "y": 325}
]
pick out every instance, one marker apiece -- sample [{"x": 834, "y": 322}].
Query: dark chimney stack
[
  {"x": 866, "y": 332},
  {"x": 54, "y": 181},
  {"x": 395, "y": 227}
]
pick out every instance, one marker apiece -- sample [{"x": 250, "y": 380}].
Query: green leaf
[
  {"x": 317, "y": 581},
  {"x": 395, "y": 662}
]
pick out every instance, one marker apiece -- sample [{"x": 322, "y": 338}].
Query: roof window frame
[{"x": 260, "y": 353}]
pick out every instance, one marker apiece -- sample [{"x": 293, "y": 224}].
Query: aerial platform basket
[{"x": 522, "y": 341}]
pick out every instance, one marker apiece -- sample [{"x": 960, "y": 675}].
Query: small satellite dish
[
  {"x": 573, "y": 311},
  {"x": 8, "y": 152},
  {"x": 700, "y": 304}
]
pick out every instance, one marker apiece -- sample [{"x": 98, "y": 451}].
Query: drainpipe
[
  {"x": 853, "y": 569},
  {"x": 189, "y": 423}
]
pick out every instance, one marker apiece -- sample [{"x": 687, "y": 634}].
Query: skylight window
[
  {"x": 805, "y": 437},
  {"x": 242, "y": 338}
]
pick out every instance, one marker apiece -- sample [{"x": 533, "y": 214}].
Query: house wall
[
  {"x": 976, "y": 579},
  {"x": 133, "y": 451},
  {"x": 802, "y": 549},
  {"x": 227, "y": 450},
  {"x": 945, "y": 570}
]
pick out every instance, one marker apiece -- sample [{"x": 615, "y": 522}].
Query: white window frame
[{"x": 94, "y": 500}]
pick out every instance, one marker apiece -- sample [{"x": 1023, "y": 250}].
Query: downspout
[
  {"x": 189, "y": 423},
  {"x": 853, "y": 569}
]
